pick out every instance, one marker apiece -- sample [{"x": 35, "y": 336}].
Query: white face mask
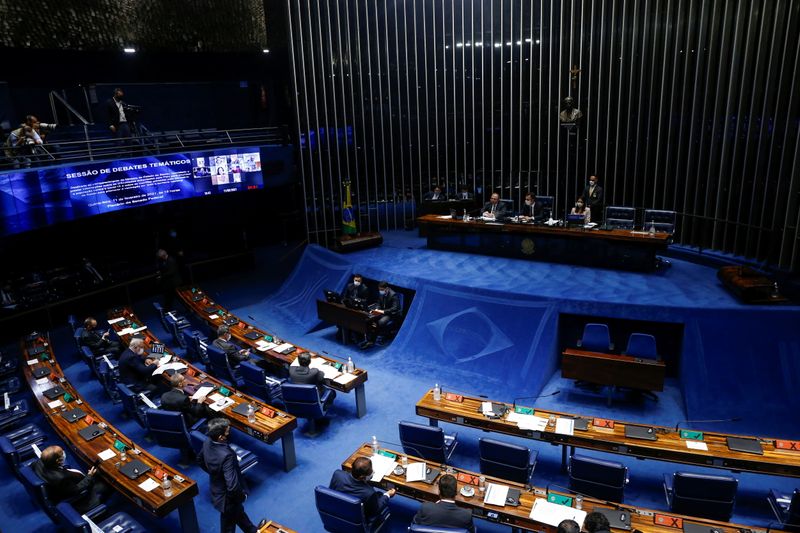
[
  {"x": 356, "y": 283},
  {"x": 528, "y": 202},
  {"x": 579, "y": 205}
]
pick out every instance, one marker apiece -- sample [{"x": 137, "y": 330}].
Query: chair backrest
[
  {"x": 10, "y": 454},
  {"x": 219, "y": 364},
  {"x": 130, "y": 404},
  {"x": 76, "y": 334},
  {"x": 620, "y": 217},
  {"x": 70, "y": 519},
  {"x": 662, "y": 221},
  {"x": 599, "y": 478},
  {"x": 424, "y": 441},
  {"x": 255, "y": 380},
  {"x": 418, "y": 528},
  {"x": 37, "y": 489},
  {"x": 509, "y": 205},
  {"x": 340, "y": 513},
  {"x": 191, "y": 338},
  {"x": 505, "y": 460},
  {"x": 547, "y": 205},
  {"x": 704, "y": 495},
  {"x": 169, "y": 429},
  {"x": 302, "y": 400},
  {"x": 642, "y": 345},
  {"x": 793, "y": 515},
  {"x": 161, "y": 313},
  {"x": 596, "y": 338}
]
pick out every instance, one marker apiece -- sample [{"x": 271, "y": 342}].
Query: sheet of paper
[
  {"x": 108, "y": 362},
  {"x": 201, "y": 393},
  {"x": 266, "y": 346},
  {"x": 552, "y": 513},
  {"x": 214, "y": 316},
  {"x": 115, "y": 320},
  {"x": 93, "y": 528},
  {"x": 444, "y": 217},
  {"x": 169, "y": 366},
  {"x": 54, "y": 404},
  {"x": 496, "y": 494},
  {"x": 32, "y": 362},
  {"x": 531, "y": 422},
  {"x": 105, "y": 455},
  {"x": 381, "y": 466},
  {"x": 137, "y": 330},
  {"x": 147, "y": 401},
  {"x": 344, "y": 379},
  {"x": 166, "y": 358},
  {"x": 284, "y": 346},
  {"x": 36, "y": 450},
  {"x": 219, "y": 405},
  {"x": 415, "y": 471},
  {"x": 329, "y": 371},
  {"x": 148, "y": 484},
  {"x": 216, "y": 397},
  {"x": 696, "y": 445},
  {"x": 125, "y": 331},
  {"x": 42, "y": 381},
  {"x": 486, "y": 408},
  {"x": 565, "y": 426}
]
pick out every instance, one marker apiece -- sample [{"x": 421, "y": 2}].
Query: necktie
[{"x": 493, "y": 206}]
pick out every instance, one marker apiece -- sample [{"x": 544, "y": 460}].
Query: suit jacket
[
  {"x": 536, "y": 211},
  {"x": 112, "y": 111},
  {"x": 446, "y": 514},
  {"x": 94, "y": 341},
  {"x": 500, "y": 211},
  {"x": 352, "y": 292},
  {"x": 304, "y": 375},
  {"x": 228, "y": 486},
  {"x": 374, "y": 501},
  {"x": 133, "y": 371},
  {"x": 177, "y": 400},
  {"x": 594, "y": 200},
  {"x": 231, "y": 350},
  {"x": 429, "y": 196},
  {"x": 390, "y": 303},
  {"x": 170, "y": 274},
  {"x": 62, "y": 483}
]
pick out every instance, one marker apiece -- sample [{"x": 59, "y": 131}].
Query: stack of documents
[
  {"x": 496, "y": 494},
  {"x": 283, "y": 347},
  {"x": 202, "y": 392},
  {"x": 169, "y": 366},
  {"x": 565, "y": 426},
  {"x": 381, "y": 466},
  {"x": 263, "y": 346},
  {"x": 528, "y": 422},
  {"x": 416, "y": 472}
]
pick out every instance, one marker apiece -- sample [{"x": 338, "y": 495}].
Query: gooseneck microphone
[
  {"x": 714, "y": 421},
  {"x": 534, "y": 397}
]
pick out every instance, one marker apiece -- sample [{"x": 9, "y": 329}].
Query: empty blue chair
[
  {"x": 8, "y": 365},
  {"x": 23, "y": 437},
  {"x": 162, "y": 314},
  {"x": 175, "y": 325},
  {"x": 221, "y": 367},
  {"x": 506, "y": 461},
  {"x": 169, "y": 429},
  {"x": 642, "y": 345},
  {"x": 191, "y": 341},
  {"x": 620, "y": 217},
  {"x": 596, "y": 338},
  {"x": 246, "y": 458},
  {"x": 701, "y": 495},
  {"x": 72, "y": 322},
  {"x": 132, "y": 404},
  {"x": 13, "y": 415},
  {"x": 599, "y": 478},
  {"x": 10, "y": 386},
  {"x": 427, "y": 442},
  {"x": 342, "y": 513},
  {"x": 305, "y": 401},
  {"x": 660, "y": 220},
  {"x": 786, "y": 508},
  {"x": 109, "y": 377},
  {"x": 417, "y": 528},
  {"x": 70, "y": 520},
  {"x": 77, "y": 333},
  {"x": 260, "y": 385}
]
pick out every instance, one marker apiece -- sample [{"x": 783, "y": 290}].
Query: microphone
[
  {"x": 534, "y": 397},
  {"x": 615, "y": 505},
  {"x": 715, "y": 421},
  {"x": 414, "y": 450},
  {"x": 442, "y": 388}
]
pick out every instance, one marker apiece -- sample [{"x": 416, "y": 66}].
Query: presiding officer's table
[
  {"x": 270, "y": 424},
  {"x": 249, "y": 335},
  {"x": 614, "y": 370},
  {"x": 644, "y": 520},
  {"x": 625, "y": 249},
  {"x": 610, "y": 436},
  {"x": 43, "y": 374}
]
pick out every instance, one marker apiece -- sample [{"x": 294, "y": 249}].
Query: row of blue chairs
[{"x": 596, "y": 338}]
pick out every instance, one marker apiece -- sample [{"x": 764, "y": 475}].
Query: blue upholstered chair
[
  {"x": 37, "y": 490},
  {"x": 132, "y": 404},
  {"x": 701, "y": 495},
  {"x": 506, "y": 461},
  {"x": 70, "y": 520},
  {"x": 642, "y": 345},
  {"x": 76, "y": 336},
  {"x": 257, "y": 383},
  {"x": 417, "y": 528},
  {"x": 786, "y": 508},
  {"x": 169, "y": 429},
  {"x": 175, "y": 324},
  {"x": 597, "y": 477},
  {"x": 220, "y": 366},
  {"x": 427, "y": 442},
  {"x": 162, "y": 314},
  {"x": 342, "y": 513},
  {"x": 620, "y": 217},
  {"x": 191, "y": 341},
  {"x": 17, "y": 446},
  {"x": 10, "y": 385},
  {"x": 13, "y": 415},
  {"x": 246, "y": 458},
  {"x": 547, "y": 205},
  {"x": 662, "y": 221},
  {"x": 596, "y": 338},
  {"x": 109, "y": 377},
  {"x": 305, "y": 401}
]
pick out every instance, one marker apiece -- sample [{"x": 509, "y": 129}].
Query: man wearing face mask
[
  {"x": 531, "y": 210},
  {"x": 593, "y": 194},
  {"x": 135, "y": 369},
  {"x": 63, "y": 483},
  {"x": 356, "y": 290},
  {"x": 388, "y": 309}
]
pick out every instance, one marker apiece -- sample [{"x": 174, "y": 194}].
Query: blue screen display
[{"x": 32, "y": 199}]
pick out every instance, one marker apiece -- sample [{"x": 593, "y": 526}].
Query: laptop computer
[
  {"x": 134, "y": 469},
  {"x": 91, "y": 432},
  {"x": 689, "y": 527},
  {"x": 73, "y": 415},
  {"x": 739, "y": 444},
  {"x": 640, "y": 432},
  {"x": 252, "y": 335},
  {"x": 54, "y": 393},
  {"x": 617, "y": 518},
  {"x": 333, "y": 297},
  {"x": 41, "y": 372}
]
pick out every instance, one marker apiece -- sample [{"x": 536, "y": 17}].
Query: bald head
[{"x": 52, "y": 456}]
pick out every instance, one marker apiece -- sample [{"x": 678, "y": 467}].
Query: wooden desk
[
  {"x": 196, "y": 301},
  {"x": 341, "y": 315},
  {"x": 154, "y": 502},
  {"x": 613, "y": 370},
  {"x": 668, "y": 446},
  {"x": 265, "y": 429},
  {"x": 272, "y": 527},
  {"x": 622, "y": 249},
  {"x": 519, "y": 517}
]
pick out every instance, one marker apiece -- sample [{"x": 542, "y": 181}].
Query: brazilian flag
[{"x": 348, "y": 217}]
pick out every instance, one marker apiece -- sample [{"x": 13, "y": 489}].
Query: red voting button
[
  {"x": 603, "y": 423},
  {"x": 668, "y": 521},
  {"x": 453, "y": 397},
  {"x": 89, "y": 419},
  {"x": 791, "y": 445},
  {"x": 266, "y": 411}
]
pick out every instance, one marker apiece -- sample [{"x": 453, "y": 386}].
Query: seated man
[
  {"x": 445, "y": 512},
  {"x": 356, "y": 483},
  {"x": 435, "y": 194},
  {"x": 235, "y": 354},
  {"x": 596, "y": 523},
  {"x": 356, "y": 290},
  {"x": 97, "y": 343},
  {"x": 494, "y": 208},
  {"x": 568, "y": 526},
  {"x": 532, "y": 210},
  {"x": 176, "y": 399},
  {"x": 136, "y": 369},
  {"x": 464, "y": 193},
  {"x": 388, "y": 309},
  {"x": 64, "y": 483},
  {"x": 304, "y": 375}
]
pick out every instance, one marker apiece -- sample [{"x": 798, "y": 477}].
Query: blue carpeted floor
[{"x": 507, "y": 302}]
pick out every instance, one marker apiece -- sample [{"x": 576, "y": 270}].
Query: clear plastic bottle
[
  {"x": 166, "y": 485},
  {"x": 465, "y": 218},
  {"x": 374, "y": 445},
  {"x": 251, "y": 413},
  {"x": 350, "y": 365},
  {"x": 437, "y": 392},
  {"x": 652, "y": 230}
]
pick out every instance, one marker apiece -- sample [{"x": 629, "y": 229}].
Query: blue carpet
[{"x": 481, "y": 325}]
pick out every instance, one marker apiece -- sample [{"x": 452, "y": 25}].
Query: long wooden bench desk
[
  {"x": 69, "y": 418},
  {"x": 644, "y": 520},
  {"x": 202, "y": 305},
  {"x": 278, "y": 425},
  {"x": 610, "y": 436}
]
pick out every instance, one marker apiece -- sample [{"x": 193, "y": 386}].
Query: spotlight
[
  {"x": 265, "y": 50},
  {"x": 129, "y": 50}
]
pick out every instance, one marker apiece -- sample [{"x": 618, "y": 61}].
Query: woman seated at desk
[{"x": 581, "y": 209}]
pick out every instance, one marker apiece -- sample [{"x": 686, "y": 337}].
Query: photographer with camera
[{"x": 24, "y": 144}]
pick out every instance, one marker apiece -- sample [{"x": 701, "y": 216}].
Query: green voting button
[
  {"x": 268, "y": 338},
  {"x": 559, "y": 499},
  {"x": 119, "y": 445},
  {"x": 390, "y": 455},
  {"x": 68, "y": 397},
  {"x": 691, "y": 435},
  {"x": 224, "y": 391},
  {"x": 523, "y": 410}
]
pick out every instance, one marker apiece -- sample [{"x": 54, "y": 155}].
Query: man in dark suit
[
  {"x": 223, "y": 341},
  {"x": 228, "y": 486},
  {"x": 568, "y": 526},
  {"x": 494, "y": 208},
  {"x": 388, "y": 310},
  {"x": 445, "y": 512},
  {"x": 356, "y": 290},
  {"x": 435, "y": 195},
  {"x": 596, "y": 523},
  {"x": 303, "y": 374},
  {"x": 531, "y": 209},
  {"x": 64, "y": 483},
  {"x": 97, "y": 343},
  {"x": 356, "y": 483},
  {"x": 135, "y": 369},
  {"x": 115, "y": 111},
  {"x": 168, "y": 277},
  {"x": 176, "y": 399},
  {"x": 464, "y": 194},
  {"x": 593, "y": 194}
]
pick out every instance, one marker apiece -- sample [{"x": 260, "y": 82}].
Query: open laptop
[
  {"x": 640, "y": 432},
  {"x": 739, "y": 444}
]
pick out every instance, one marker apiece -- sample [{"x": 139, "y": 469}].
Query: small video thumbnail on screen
[{"x": 226, "y": 169}]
